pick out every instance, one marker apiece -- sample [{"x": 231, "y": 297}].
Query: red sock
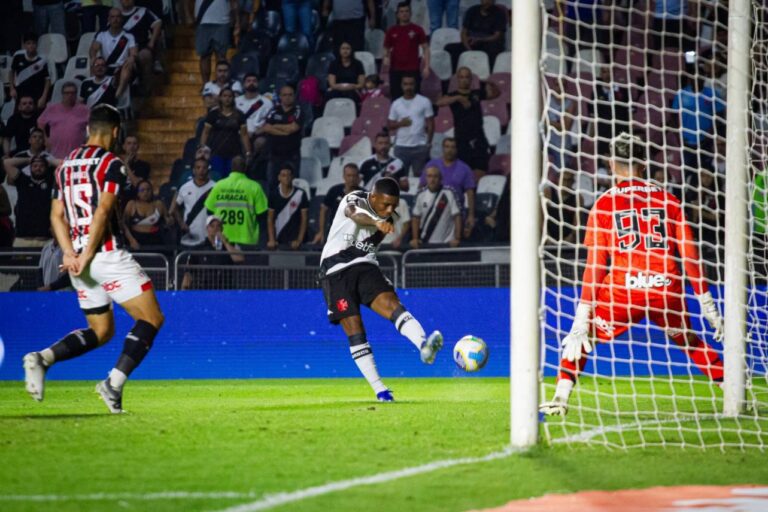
[
  {"x": 570, "y": 370},
  {"x": 703, "y": 356}
]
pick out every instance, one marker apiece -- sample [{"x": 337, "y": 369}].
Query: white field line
[{"x": 104, "y": 496}]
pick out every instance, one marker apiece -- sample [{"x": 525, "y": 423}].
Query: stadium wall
[{"x": 285, "y": 334}]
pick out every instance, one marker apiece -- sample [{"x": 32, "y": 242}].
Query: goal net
[{"x": 662, "y": 77}]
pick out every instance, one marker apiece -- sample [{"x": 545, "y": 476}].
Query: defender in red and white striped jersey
[
  {"x": 637, "y": 238},
  {"x": 84, "y": 221}
]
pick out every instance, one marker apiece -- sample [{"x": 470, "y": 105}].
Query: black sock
[
  {"x": 136, "y": 346},
  {"x": 75, "y": 344}
]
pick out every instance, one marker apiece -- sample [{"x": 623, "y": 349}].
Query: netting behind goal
[{"x": 662, "y": 77}]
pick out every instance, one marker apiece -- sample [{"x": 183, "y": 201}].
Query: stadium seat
[
  {"x": 314, "y": 214},
  {"x": 268, "y": 22},
  {"x": 587, "y": 156},
  {"x": 303, "y": 185},
  {"x": 489, "y": 190},
  {"x": 325, "y": 43},
  {"x": 259, "y": 43},
  {"x": 7, "y": 110},
  {"x": 496, "y": 108},
  {"x": 56, "y": 91},
  {"x": 504, "y": 146},
  {"x": 440, "y": 62},
  {"x": 316, "y": 147},
  {"x": 295, "y": 44},
  {"x": 453, "y": 84},
  {"x": 330, "y": 129},
  {"x": 368, "y": 61},
  {"x": 492, "y": 129},
  {"x": 243, "y": 63},
  {"x": 84, "y": 44},
  {"x": 5, "y": 69},
  {"x": 77, "y": 67},
  {"x": 336, "y": 170},
  {"x": 588, "y": 61},
  {"x": 341, "y": 108},
  {"x": 53, "y": 71},
  {"x": 368, "y": 125},
  {"x": 318, "y": 65},
  {"x": 53, "y": 47},
  {"x": 325, "y": 184},
  {"x": 432, "y": 87},
  {"x": 499, "y": 164},
  {"x": 436, "y": 149},
  {"x": 441, "y": 37},
  {"x": 2, "y": 95},
  {"x": 356, "y": 145},
  {"x": 504, "y": 82},
  {"x": 413, "y": 185},
  {"x": 503, "y": 63},
  {"x": 284, "y": 67},
  {"x": 443, "y": 120},
  {"x": 374, "y": 42},
  {"x": 477, "y": 62},
  {"x": 376, "y": 106},
  {"x": 311, "y": 170}
]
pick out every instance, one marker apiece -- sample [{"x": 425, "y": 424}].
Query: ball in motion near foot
[{"x": 470, "y": 353}]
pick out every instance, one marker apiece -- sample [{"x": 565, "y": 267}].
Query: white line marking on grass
[{"x": 102, "y": 496}]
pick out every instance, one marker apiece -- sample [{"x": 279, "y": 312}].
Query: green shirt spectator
[
  {"x": 238, "y": 200},
  {"x": 760, "y": 202}
]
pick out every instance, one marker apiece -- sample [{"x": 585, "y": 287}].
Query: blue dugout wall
[{"x": 285, "y": 334}]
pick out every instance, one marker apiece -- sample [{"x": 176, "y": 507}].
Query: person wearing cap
[
  {"x": 238, "y": 201},
  {"x": 216, "y": 250},
  {"x": 636, "y": 234},
  {"x": 33, "y": 206},
  {"x": 288, "y": 213}
]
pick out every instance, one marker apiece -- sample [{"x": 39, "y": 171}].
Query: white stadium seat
[
  {"x": 492, "y": 129},
  {"x": 342, "y": 109},
  {"x": 330, "y": 129},
  {"x": 477, "y": 62},
  {"x": 368, "y": 61},
  {"x": 442, "y": 37},
  {"x": 53, "y": 47},
  {"x": 503, "y": 63}
]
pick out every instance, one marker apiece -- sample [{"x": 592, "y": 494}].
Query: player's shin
[
  {"x": 701, "y": 354},
  {"x": 363, "y": 357},
  {"x": 567, "y": 377},
  {"x": 136, "y": 346},
  {"x": 408, "y": 326},
  {"x": 70, "y": 346}
]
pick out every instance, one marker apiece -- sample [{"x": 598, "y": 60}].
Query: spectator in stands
[
  {"x": 145, "y": 27},
  {"x": 483, "y": 30},
  {"x": 297, "y": 17},
  {"x": 562, "y": 210},
  {"x": 99, "y": 87},
  {"x": 118, "y": 48},
  {"x": 411, "y": 118},
  {"x": 371, "y": 88},
  {"x": 131, "y": 158},
  {"x": 215, "y": 241},
  {"x": 346, "y": 76},
  {"x": 11, "y": 11},
  {"x": 223, "y": 80},
  {"x": 583, "y": 24},
  {"x": 145, "y": 217},
  {"x": 255, "y": 107},
  {"x": 349, "y": 21},
  {"x": 401, "y": 51},
  {"x": 333, "y": 198},
  {"x": 467, "y": 112},
  {"x": 438, "y": 8},
  {"x": 609, "y": 110},
  {"x": 29, "y": 73},
  {"x": 704, "y": 208},
  {"x": 49, "y": 16},
  {"x": 238, "y": 201},
  {"x": 36, "y": 147},
  {"x": 284, "y": 129},
  {"x": 498, "y": 219},
  {"x": 225, "y": 133},
  {"x": 189, "y": 206},
  {"x": 436, "y": 214},
  {"x": 381, "y": 165},
  {"x": 288, "y": 214},
  {"x": 668, "y": 24},
  {"x": 65, "y": 122},
  {"x": 215, "y": 19},
  {"x": 33, "y": 206},
  {"x": 561, "y": 111},
  {"x": 92, "y": 10},
  {"x": 6, "y": 225},
  {"x": 20, "y": 125},
  {"x": 457, "y": 176}
]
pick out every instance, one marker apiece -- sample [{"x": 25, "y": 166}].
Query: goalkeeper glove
[
  {"x": 712, "y": 314},
  {"x": 578, "y": 339}
]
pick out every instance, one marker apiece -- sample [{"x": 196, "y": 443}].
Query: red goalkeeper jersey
[{"x": 637, "y": 238}]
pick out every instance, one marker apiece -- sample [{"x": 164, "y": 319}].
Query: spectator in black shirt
[
  {"x": 467, "y": 112},
  {"x": 29, "y": 73},
  {"x": 131, "y": 158},
  {"x": 288, "y": 214},
  {"x": 33, "y": 207},
  {"x": 284, "y": 128},
  {"x": 225, "y": 133},
  {"x": 483, "y": 30},
  {"x": 99, "y": 87},
  {"x": 22, "y": 160},
  {"x": 333, "y": 198},
  {"x": 228, "y": 253},
  {"x": 381, "y": 165},
  {"x": 20, "y": 125},
  {"x": 609, "y": 109},
  {"x": 346, "y": 76}
]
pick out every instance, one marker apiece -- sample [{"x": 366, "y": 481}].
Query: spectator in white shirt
[
  {"x": 118, "y": 48},
  {"x": 411, "y": 118},
  {"x": 255, "y": 108},
  {"x": 436, "y": 214}
]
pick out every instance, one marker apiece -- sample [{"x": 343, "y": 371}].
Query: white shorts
[{"x": 111, "y": 276}]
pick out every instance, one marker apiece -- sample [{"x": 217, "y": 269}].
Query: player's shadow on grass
[{"x": 55, "y": 416}]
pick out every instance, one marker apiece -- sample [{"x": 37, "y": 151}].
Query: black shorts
[
  {"x": 474, "y": 152},
  {"x": 346, "y": 290}
]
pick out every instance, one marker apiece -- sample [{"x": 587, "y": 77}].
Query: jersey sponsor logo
[
  {"x": 645, "y": 281},
  {"x": 363, "y": 246},
  {"x": 342, "y": 305},
  {"x": 111, "y": 286},
  {"x": 604, "y": 325}
]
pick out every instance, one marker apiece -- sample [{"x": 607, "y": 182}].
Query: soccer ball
[{"x": 470, "y": 353}]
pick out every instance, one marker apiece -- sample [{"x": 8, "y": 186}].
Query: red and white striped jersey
[{"x": 82, "y": 177}]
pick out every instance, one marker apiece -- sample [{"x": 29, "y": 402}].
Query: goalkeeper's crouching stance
[{"x": 637, "y": 241}]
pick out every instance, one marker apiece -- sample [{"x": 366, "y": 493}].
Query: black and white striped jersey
[
  {"x": 349, "y": 243},
  {"x": 81, "y": 179}
]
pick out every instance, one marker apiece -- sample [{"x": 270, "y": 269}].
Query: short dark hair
[
  {"x": 400, "y": 5},
  {"x": 449, "y": 139},
  {"x": 29, "y": 36},
  {"x": 103, "y": 118},
  {"x": 37, "y": 130},
  {"x": 223, "y": 63},
  {"x": 382, "y": 134},
  {"x": 352, "y": 166},
  {"x": 387, "y": 186},
  {"x": 201, "y": 159},
  {"x": 250, "y": 74},
  {"x": 288, "y": 167}
]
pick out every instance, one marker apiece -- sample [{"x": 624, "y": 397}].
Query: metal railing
[{"x": 461, "y": 267}]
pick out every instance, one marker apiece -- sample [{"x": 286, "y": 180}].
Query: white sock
[
  {"x": 363, "y": 357},
  {"x": 48, "y": 356},
  {"x": 563, "y": 389},
  {"x": 117, "y": 378},
  {"x": 409, "y": 327}
]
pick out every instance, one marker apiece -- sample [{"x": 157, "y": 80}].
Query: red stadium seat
[
  {"x": 504, "y": 82},
  {"x": 374, "y": 106},
  {"x": 432, "y": 87},
  {"x": 443, "y": 120},
  {"x": 368, "y": 125},
  {"x": 499, "y": 164},
  {"x": 496, "y": 108}
]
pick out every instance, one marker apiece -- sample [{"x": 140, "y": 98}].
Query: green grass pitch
[{"x": 261, "y": 437}]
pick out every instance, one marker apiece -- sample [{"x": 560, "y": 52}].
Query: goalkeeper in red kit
[{"x": 639, "y": 243}]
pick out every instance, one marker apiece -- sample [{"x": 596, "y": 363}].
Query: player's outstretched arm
[
  {"x": 107, "y": 201},
  {"x": 363, "y": 218}
]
